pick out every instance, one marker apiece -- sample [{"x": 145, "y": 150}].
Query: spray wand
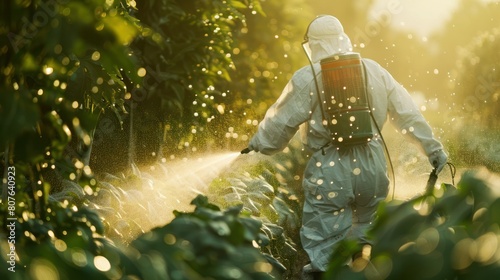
[
  {"x": 431, "y": 182},
  {"x": 246, "y": 151}
]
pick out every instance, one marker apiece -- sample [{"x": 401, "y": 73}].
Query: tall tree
[
  {"x": 477, "y": 91},
  {"x": 60, "y": 65},
  {"x": 267, "y": 53},
  {"x": 470, "y": 42},
  {"x": 184, "y": 50},
  {"x": 470, "y": 20}
]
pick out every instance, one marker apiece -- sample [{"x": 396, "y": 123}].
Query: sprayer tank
[{"x": 345, "y": 99}]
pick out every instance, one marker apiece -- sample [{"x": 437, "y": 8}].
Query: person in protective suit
[{"x": 342, "y": 186}]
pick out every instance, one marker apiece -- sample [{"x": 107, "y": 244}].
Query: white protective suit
[{"x": 343, "y": 186}]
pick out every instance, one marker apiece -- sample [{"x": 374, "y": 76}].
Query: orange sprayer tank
[{"x": 345, "y": 99}]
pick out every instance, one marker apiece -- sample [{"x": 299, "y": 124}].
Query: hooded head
[{"x": 326, "y": 37}]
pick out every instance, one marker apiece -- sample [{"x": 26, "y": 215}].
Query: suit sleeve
[
  {"x": 283, "y": 118},
  {"x": 405, "y": 115}
]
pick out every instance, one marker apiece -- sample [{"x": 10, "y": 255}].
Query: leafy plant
[
  {"x": 258, "y": 198},
  {"x": 269, "y": 189},
  {"x": 206, "y": 244},
  {"x": 68, "y": 243},
  {"x": 61, "y": 65},
  {"x": 184, "y": 49},
  {"x": 449, "y": 233}
]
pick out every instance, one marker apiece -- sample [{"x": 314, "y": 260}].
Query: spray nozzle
[{"x": 246, "y": 151}]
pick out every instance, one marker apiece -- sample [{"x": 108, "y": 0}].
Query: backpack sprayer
[{"x": 346, "y": 110}]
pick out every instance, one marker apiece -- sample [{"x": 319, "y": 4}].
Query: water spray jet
[{"x": 196, "y": 174}]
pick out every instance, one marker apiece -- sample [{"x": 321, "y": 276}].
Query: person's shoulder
[
  {"x": 304, "y": 73},
  {"x": 374, "y": 65},
  {"x": 370, "y": 62},
  {"x": 304, "y": 70}
]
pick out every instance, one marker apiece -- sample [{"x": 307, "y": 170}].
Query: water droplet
[
  {"x": 356, "y": 171},
  {"x": 96, "y": 56},
  {"x": 101, "y": 263},
  {"x": 48, "y": 70},
  {"x": 141, "y": 72}
]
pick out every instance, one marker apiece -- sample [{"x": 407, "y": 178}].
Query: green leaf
[
  {"x": 238, "y": 4},
  {"x": 220, "y": 227},
  {"x": 18, "y": 114}
]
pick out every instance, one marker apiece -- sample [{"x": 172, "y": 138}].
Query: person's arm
[
  {"x": 283, "y": 118},
  {"x": 406, "y": 116}
]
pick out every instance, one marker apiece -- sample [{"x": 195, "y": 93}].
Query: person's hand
[
  {"x": 438, "y": 160},
  {"x": 246, "y": 151}
]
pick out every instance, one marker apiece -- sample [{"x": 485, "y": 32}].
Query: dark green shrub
[
  {"x": 68, "y": 243},
  {"x": 205, "y": 244},
  {"x": 450, "y": 233},
  {"x": 270, "y": 189}
]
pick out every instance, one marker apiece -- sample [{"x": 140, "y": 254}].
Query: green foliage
[
  {"x": 480, "y": 149},
  {"x": 476, "y": 102},
  {"x": 186, "y": 49},
  {"x": 267, "y": 52},
  {"x": 270, "y": 191},
  {"x": 478, "y": 91},
  {"x": 60, "y": 63},
  {"x": 271, "y": 206},
  {"x": 450, "y": 233},
  {"x": 68, "y": 243},
  {"x": 205, "y": 244}
]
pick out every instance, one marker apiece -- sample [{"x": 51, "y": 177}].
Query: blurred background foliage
[{"x": 92, "y": 89}]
